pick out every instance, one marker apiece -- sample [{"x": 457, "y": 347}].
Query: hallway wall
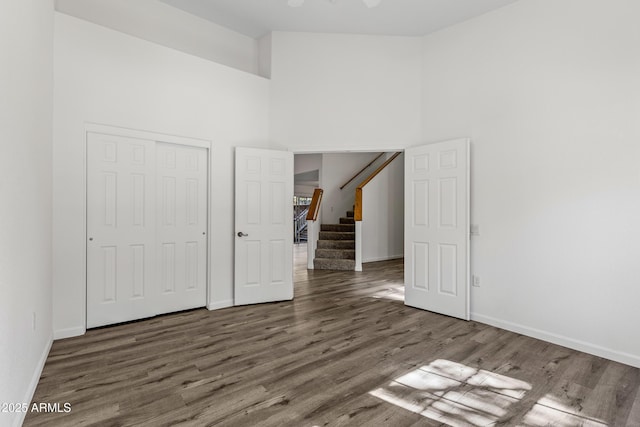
[{"x": 26, "y": 109}]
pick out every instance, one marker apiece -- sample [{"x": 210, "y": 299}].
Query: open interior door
[
  {"x": 436, "y": 274},
  {"x": 263, "y": 226}
]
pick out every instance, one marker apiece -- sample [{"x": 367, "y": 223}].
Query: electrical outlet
[{"x": 476, "y": 281}]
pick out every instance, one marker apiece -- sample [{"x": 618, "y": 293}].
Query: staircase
[
  {"x": 300, "y": 223},
  {"x": 337, "y": 245},
  {"x": 302, "y": 235}
]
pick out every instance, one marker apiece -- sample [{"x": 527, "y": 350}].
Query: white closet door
[
  {"x": 146, "y": 228},
  {"x": 121, "y": 229},
  {"x": 182, "y": 226}
]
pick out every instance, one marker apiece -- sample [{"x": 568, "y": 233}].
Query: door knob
[{"x": 241, "y": 234}]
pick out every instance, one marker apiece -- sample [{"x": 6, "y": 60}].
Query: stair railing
[
  {"x": 357, "y": 214},
  {"x": 299, "y": 225},
  {"x": 361, "y": 170},
  {"x": 313, "y": 228}
]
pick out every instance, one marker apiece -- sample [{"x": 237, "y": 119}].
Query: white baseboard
[
  {"x": 217, "y": 305},
  {"x": 617, "y": 356},
  {"x": 33, "y": 384},
  {"x": 69, "y": 332},
  {"x": 383, "y": 258}
]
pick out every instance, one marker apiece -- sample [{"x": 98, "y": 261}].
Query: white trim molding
[
  {"x": 383, "y": 258},
  {"x": 33, "y": 384},
  {"x": 149, "y": 135},
  {"x": 217, "y": 305},
  {"x": 596, "y": 350},
  {"x": 69, "y": 332}
]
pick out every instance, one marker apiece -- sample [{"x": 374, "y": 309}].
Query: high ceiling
[{"x": 256, "y": 18}]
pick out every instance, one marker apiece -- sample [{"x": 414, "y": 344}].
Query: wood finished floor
[{"x": 345, "y": 352}]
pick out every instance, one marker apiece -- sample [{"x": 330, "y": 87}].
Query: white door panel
[
  {"x": 437, "y": 227},
  {"x": 146, "y": 228},
  {"x": 182, "y": 226},
  {"x": 264, "y": 232},
  {"x": 121, "y": 229}
]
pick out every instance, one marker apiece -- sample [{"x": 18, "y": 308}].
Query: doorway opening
[
  {"x": 421, "y": 217},
  {"x": 341, "y": 175}
]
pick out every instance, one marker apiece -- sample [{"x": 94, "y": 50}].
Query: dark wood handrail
[
  {"x": 314, "y": 207},
  {"x": 361, "y": 170},
  {"x": 357, "y": 214}
]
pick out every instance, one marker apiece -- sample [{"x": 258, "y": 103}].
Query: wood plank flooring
[{"x": 345, "y": 352}]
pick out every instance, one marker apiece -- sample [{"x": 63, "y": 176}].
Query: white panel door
[
  {"x": 263, "y": 226},
  {"x": 120, "y": 229},
  {"x": 437, "y": 228},
  {"x": 181, "y": 226}
]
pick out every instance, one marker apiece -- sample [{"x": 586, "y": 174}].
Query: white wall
[
  {"x": 337, "y": 92},
  {"x": 307, "y": 162},
  {"x": 103, "y": 76},
  {"x": 264, "y": 56},
  {"x": 548, "y": 92},
  {"x": 550, "y": 95},
  {"x": 160, "y": 23},
  {"x": 26, "y": 100},
  {"x": 383, "y": 213},
  {"x": 337, "y": 169}
]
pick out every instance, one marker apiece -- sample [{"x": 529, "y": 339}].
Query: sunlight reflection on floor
[
  {"x": 394, "y": 292},
  {"x": 548, "y": 408},
  {"x": 459, "y": 395}
]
